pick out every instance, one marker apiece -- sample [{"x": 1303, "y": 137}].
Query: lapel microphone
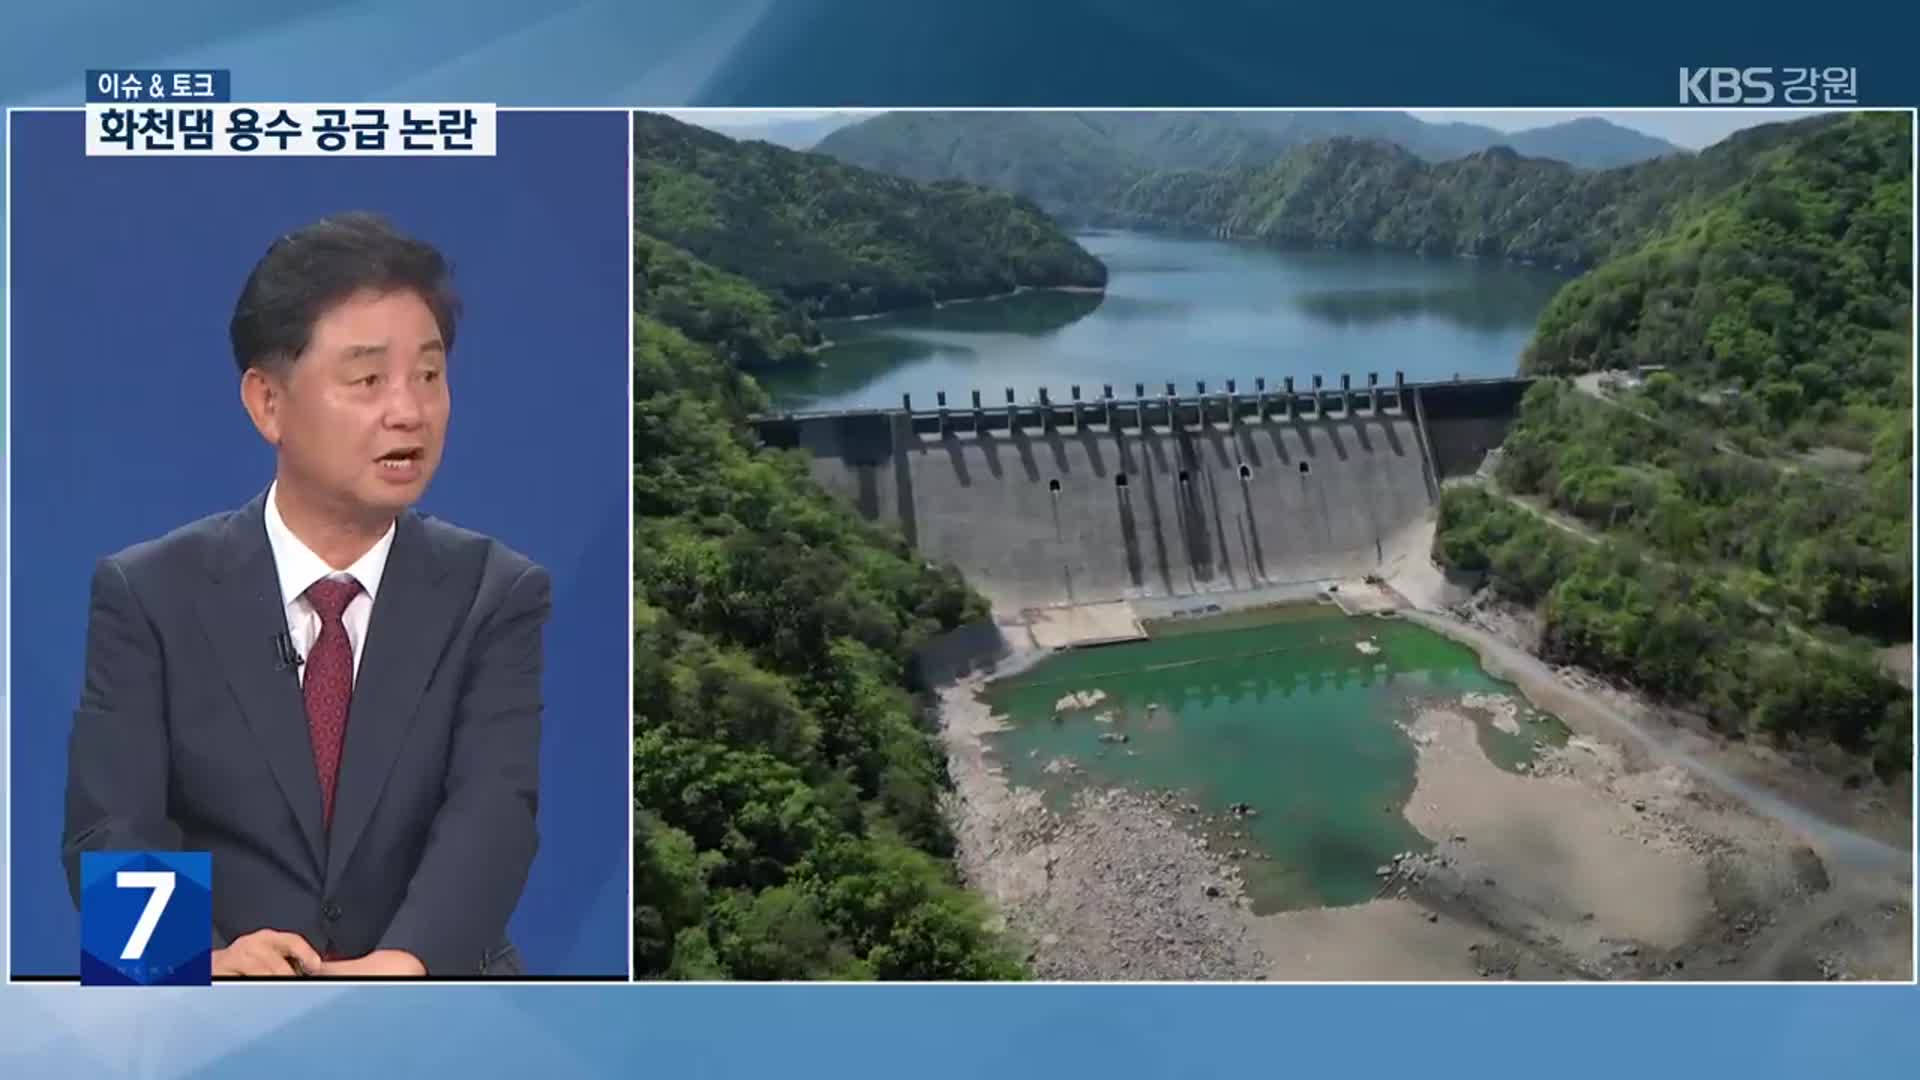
[{"x": 289, "y": 657}]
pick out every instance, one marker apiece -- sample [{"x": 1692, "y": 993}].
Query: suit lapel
[
  {"x": 413, "y": 619},
  {"x": 243, "y": 615}
]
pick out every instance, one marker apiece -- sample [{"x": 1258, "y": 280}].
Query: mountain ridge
[
  {"x": 1350, "y": 193},
  {"x": 1144, "y": 140},
  {"x": 717, "y": 219}
]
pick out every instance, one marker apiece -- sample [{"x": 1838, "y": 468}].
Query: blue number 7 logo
[
  {"x": 146, "y": 918},
  {"x": 161, "y": 882}
]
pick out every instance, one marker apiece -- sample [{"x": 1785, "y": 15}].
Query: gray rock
[{"x": 1809, "y": 871}]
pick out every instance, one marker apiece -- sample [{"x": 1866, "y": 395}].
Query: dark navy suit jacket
[{"x": 191, "y": 735}]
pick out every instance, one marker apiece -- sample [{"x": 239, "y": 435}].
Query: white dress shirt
[{"x": 299, "y": 568}]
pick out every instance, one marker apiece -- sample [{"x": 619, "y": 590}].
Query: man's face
[{"x": 361, "y": 416}]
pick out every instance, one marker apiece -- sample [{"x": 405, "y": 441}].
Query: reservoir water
[
  {"x": 1184, "y": 310},
  {"x": 1295, "y": 712}
]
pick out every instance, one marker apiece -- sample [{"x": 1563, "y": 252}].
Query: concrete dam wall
[{"x": 1050, "y": 503}]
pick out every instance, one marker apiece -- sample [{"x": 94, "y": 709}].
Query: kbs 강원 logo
[
  {"x": 1726, "y": 86},
  {"x": 146, "y": 918},
  {"x": 1765, "y": 86}
]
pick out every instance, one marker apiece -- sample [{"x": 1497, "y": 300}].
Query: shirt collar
[{"x": 299, "y": 567}]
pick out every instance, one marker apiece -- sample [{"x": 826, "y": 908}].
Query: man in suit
[{"x": 335, "y": 695}]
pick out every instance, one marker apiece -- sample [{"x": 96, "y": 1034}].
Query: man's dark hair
[{"x": 310, "y": 270}]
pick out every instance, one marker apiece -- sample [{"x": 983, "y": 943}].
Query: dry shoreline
[
  {"x": 1649, "y": 735},
  {"x": 1609, "y": 859}
]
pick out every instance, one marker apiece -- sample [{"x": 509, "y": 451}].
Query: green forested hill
[
  {"x": 786, "y": 790},
  {"x": 1325, "y": 180},
  {"x": 746, "y": 326},
  {"x": 1754, "y": 497},
  {"x": 1074, "y": 164},
  {"x": 1078, "y": 163},
  {"x": 830, "y": 239},
  {"x": 1797, "y": 276},
  {"x": 1349, "y": 193},
  {"x": 1687, "y": 634},
  {"x": 1593, "y": 143},
  {"x": 1062, "y": 161},
  {"x": 1782, "y": 312}
]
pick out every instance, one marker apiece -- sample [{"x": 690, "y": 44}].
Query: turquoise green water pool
[{"x": 1285, "y": 711}]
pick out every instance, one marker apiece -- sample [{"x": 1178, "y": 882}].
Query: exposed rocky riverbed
[{"x": 1596, "y": 861}]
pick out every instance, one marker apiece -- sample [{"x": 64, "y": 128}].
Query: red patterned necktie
[{"x": 328, "y": 684}]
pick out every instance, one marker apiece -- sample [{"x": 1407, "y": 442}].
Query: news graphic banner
[
  {"x": 150, "y": 113},
  {"x": 313, "y": 130},
  {"x": 139, "y": 410},
  {"x": 130, "y": 86}
]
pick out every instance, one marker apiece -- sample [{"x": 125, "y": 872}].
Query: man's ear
[{"x": 263, "y": 396}]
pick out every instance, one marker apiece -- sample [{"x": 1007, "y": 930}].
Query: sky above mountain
[{"x": 1693, "y": 129}]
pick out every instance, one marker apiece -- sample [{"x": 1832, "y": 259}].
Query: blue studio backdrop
[{"x": 126, "y": 422}]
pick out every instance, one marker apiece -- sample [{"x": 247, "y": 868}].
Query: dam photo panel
[{"x": 1286, "y": 546}]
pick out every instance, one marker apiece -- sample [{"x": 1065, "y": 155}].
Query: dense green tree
[
  {"x": 1687, "y": 637},
  {"x": 750, "y": 329},
  {"x": 1832, "y": 553},
  {"x": 786, "y": 791},
  {"x": 1795, "y": 274}
]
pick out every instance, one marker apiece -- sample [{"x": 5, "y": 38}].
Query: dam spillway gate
[{"x": 1048, "y": 502}]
